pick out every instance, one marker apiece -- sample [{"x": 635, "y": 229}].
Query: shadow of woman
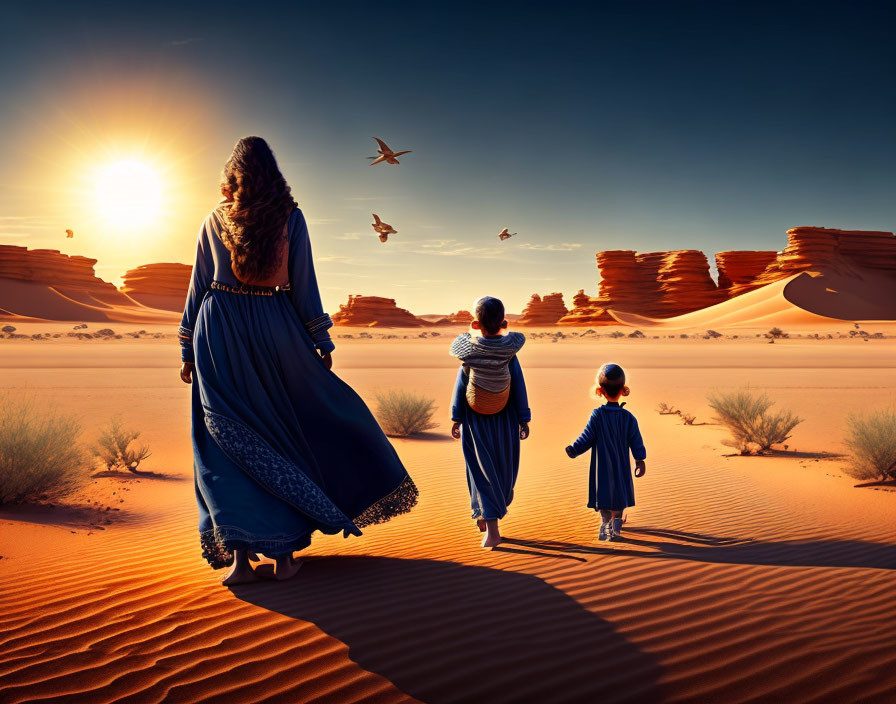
[{"x": 445, "y": 632}]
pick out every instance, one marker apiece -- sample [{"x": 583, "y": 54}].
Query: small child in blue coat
[{"x": 612, "y": 432}]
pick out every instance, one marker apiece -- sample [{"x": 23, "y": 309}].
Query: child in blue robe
[
  {"x": 612, "y": 432},
  {"x": 491, "y": 414}
]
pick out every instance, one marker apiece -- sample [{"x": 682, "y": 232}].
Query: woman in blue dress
[{"x": 282, "y": 446}]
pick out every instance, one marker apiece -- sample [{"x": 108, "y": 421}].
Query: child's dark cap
[
  {"x": 490, "y": 313},
  {"x": 611, "y": 374}
]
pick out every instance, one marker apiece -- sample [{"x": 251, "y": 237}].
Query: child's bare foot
[
  {"x": 241, "y": 571},
  {"x": 493, "y": 536},
  {"x": 480, "y": 524}
]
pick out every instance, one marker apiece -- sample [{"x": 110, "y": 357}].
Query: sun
[{"x": 128, "y": 192}]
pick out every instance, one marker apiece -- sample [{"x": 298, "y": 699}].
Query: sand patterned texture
[{"x": 742, "y": 579}]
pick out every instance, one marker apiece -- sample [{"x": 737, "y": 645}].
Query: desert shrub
[
  {"x": 665, "y": 409},
  {"x": 753, "y": 427},
  {"x": 402, "y": 413},
  {"x": 40, "y": 456},
  {"x": 776, "y": 333},
  {"x": 617, "y": 333},
  {"x": 872, "y": 439},
  {"x": 113, "y": 447},
  {"x": 713, "y": 333},
  {"x": 687, "y": 418},
  {"x": 637, "y": 334}
]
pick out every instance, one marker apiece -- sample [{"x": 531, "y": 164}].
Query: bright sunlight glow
[{"x": 128, "y": 192}]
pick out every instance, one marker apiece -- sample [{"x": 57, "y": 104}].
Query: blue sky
[{"x": 582, "y": 126}]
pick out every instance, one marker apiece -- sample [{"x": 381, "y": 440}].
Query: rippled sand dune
[{"x": 742, "y": 579}]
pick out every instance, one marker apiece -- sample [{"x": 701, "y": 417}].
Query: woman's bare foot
[
  {"x": 285, "y": 567},
  {"x": 480, "y": 524},
  {"x": 493, "y": 536},
  {"x": 241, "y": 571}
]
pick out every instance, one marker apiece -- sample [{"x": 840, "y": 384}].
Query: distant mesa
[
  {"x": 369, "y": 311},
  {"x": 543, "y": 311},
  {"x": 162, "y": 286},
  {"x": 45, "y": 284},
  {"x": 462, "y": 317},
  {"x": 738, "y": 270},
  {"x": 828, "y": 273},
  {"x": 667, "y": 285},
  {"x": 656, "y": 284}
]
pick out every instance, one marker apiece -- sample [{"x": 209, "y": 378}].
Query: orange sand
[{"x": 744, "y": 579}]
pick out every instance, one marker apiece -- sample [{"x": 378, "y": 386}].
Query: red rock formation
[
  {"x": 543, "y": 311},
  {"x": 49, "y": 285},
  {"x": 666, "y": 284},
  {"x": 685, "y": 284},
  {"x": 585, "y": 311},
  {"x": 368, "y": 311},
  {"x": 814, "y": 248},
  {"x": 158, "y": 285},
  {"x": 738, "y": 270},
  {"x": 462, "y": 317},
  {"x": 49, "y": 266}
]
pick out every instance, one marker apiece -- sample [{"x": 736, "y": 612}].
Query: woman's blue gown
[
  {"x": 282, "y": 446},
  {"x": 491, "y": 444}
]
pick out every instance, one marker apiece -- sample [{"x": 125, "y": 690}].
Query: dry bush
[
  {"x": 665, "y": 409},
  {"x": 113, "y": 447},
  {"x": 402, "y": 413},
  {"x": 40, "y": 456},
  {"x": 872, "y": 440},
  {"x": 777, "y": 334},
  {"x": 754, "y": 429}
]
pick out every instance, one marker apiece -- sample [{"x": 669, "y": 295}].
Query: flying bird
[
  {"x": 69, "y": 233},
  {"x": 386, "y": 154},
  {"x": 383, "y": 229},
  {"x": 505, "y": 235}
]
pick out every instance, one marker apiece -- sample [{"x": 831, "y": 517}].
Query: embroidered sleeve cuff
[
  {"x": 185, "y": 337},
  {"x": 317, "y": 330}
]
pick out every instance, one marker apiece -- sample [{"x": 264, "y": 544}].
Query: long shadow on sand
[
  {"x": 444, "y": 632},
  {"x": 705, "y": 548},
  {"x": 65, "y": 515}
]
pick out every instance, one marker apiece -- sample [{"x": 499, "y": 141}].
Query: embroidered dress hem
[
  {"x": 400, "y": 501},
  {"x": 218, "y": 544}
]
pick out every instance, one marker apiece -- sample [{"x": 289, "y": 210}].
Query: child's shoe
[
  {"x": 606, "y": 532},
  {"x": 617, "y": 528}
]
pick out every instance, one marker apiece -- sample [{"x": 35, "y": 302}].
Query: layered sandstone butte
[
  {"x": 49, "y": 285},
  {"x": 655, "y": 284},
  {"x": 158, "y": 285},
  {"x": 820, "y": 248},
  {"x": 368, "y": 311},
  {"x": 462, "y": 317},
  {"x": 739, "y": 269},
  {"x": 667, "y": 284},
  {"x": 685, "y": 284},
  {"x": 543, "y": 311},
  {"x": 51, "y": 267},
  {"x": 628, "y": 282}
]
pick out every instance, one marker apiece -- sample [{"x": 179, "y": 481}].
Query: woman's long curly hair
[{"x": 260, "y": 203}]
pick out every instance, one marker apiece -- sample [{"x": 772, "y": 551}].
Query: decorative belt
[{"x": 249, "y": 288}]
